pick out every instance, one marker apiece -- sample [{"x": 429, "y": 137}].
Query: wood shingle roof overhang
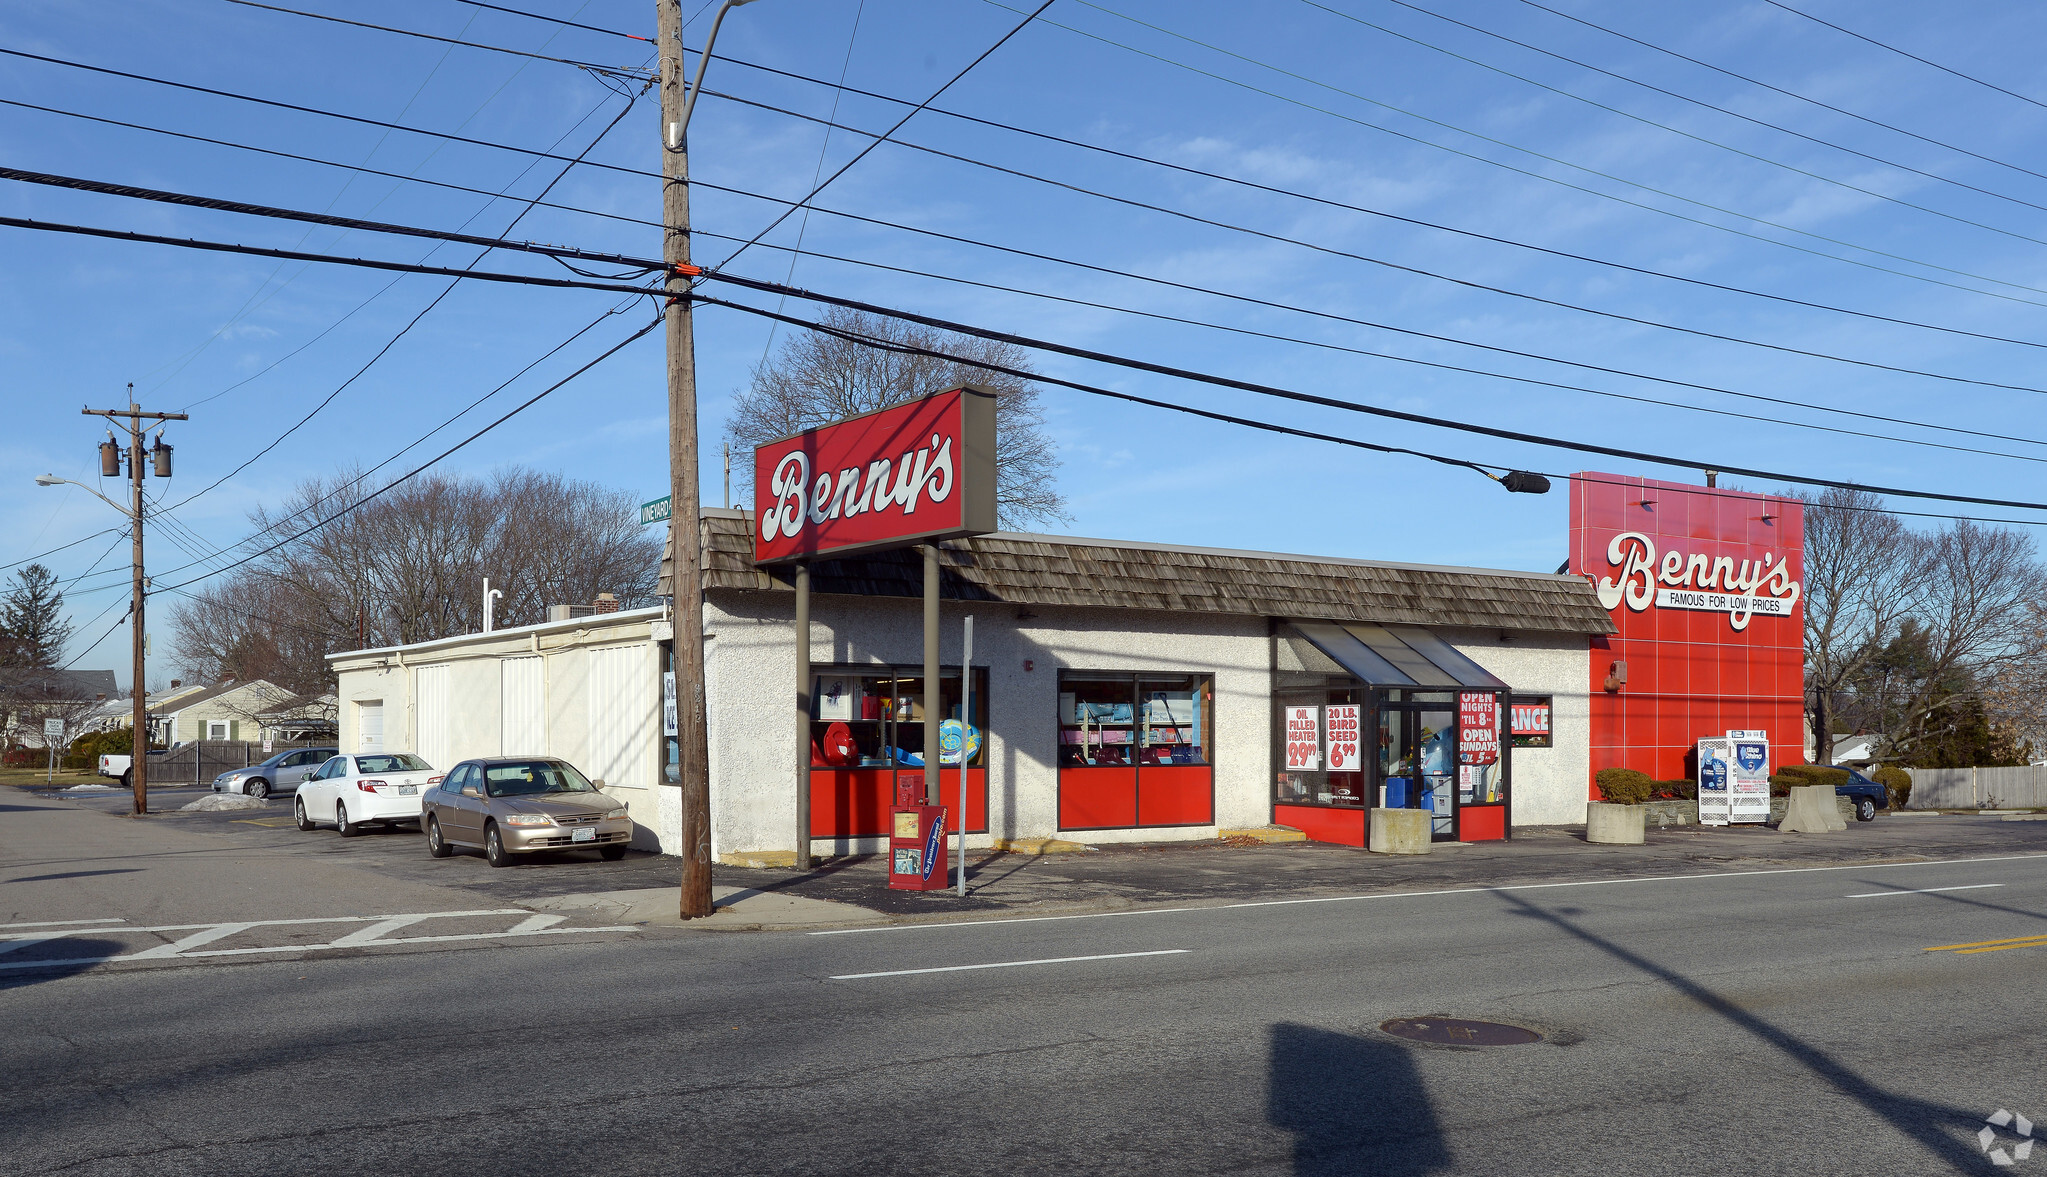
[{"x": 1024, "y": 569}]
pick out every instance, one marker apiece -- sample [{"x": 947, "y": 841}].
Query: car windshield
[
  {"x": 531, "y": 778},
  {"x": 394, "y": 762}
]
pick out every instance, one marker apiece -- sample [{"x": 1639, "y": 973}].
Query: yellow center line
[
  {"x": 1982, "y": 945},
  {"x": 2002, "y": 947}
]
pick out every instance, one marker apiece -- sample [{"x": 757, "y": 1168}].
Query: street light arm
[
  {"x": 678, "y": 131},
  {"x": 53, "y": 480}
]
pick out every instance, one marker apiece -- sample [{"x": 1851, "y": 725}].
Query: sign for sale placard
[{"x": 1303, "y": 739}]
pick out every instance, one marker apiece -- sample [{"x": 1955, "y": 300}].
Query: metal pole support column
[
  {"x": 933, "y": 697},
  {"x": 803, "y": 685}
]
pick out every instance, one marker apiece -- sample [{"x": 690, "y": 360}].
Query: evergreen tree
[{"x": 32, "y": 626}]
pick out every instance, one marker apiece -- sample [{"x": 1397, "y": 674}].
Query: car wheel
[
  {"x": 1865, "y": 809},
  {"x": 259, "y": 789},
  {"x": 612, "y": 853},
  {"x": 494, "y": 847},
  {"x": 128, "y": 780},
  {"x": 298, "y": 811},
  {"x": 349, "y": 829},
  {"x": 435, "y": 844}
]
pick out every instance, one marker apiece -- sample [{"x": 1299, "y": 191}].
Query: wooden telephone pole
[
  {"x": 686, "y": 580},
  {"x": 138, "y": 760}
]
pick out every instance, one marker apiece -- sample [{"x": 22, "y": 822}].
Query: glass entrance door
[{"x": 1418, "y": 763}]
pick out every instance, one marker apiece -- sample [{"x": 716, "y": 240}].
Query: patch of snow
[
  {"x": 216, "y": 802},
  {"x": 91, "y": 789}
]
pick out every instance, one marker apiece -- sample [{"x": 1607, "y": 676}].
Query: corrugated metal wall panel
[
  {"x": 431, "y": 739},
  {"x": 623, "y": 715},
  {"x": 525, "y": 726}
]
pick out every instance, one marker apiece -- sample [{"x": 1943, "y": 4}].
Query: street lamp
[{"x": 679, "y": 129}]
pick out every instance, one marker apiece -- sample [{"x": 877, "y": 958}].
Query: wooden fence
[
  {"x": 199, "y": 761},
  {"x": 1979, "y": 788}
]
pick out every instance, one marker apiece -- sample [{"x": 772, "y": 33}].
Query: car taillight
[
  {"x": 435, "y": 780},
  {"x": 369, "y": 786}
]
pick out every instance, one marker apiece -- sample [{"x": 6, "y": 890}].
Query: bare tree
[
  {"x": 816, "y": 378},
  {"x": 1864, "y": 575},
  {"x": 408, "y": 566}
]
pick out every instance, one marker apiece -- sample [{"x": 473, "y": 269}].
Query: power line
[
  {"x": 555, "y": 20},
  {"x": 1649, "y": 122},
  {"x": 1419, "y": 271},
  {"x": 1332, "y": 203},
  {"x": 1358, "y": 351},
  {"x": 133, "y": 192},
  {"x": 617, "y": 71},
  {"x": 883, "y": 137},
  {"x": 1305, "y": 398},
  {"x": 352, "y": 118},
  {"x": 329, "y": 163},
  {"x": 1520, "y": 171},
  {"x": 408, "y": 475},
  {"x": 1730, "y": 392},
  {"x": 1915, "y": 57},
  {"x": 301, "y": 255},
  {"x": 62, "y": 547}
]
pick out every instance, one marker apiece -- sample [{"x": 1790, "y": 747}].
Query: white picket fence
[{"x": 1979, "y": 788}]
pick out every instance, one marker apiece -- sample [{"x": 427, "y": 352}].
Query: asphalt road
[{"x": 1781, "y": 1022}]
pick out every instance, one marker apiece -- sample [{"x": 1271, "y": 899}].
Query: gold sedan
[{"x": 520, "y": 804}]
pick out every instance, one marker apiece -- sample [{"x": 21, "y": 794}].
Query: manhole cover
[{"x": 1459, "y": 1032}]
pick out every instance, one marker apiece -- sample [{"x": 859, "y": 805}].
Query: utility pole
[
  {"x": 687, "y": 650},
  {"x": 138, "y": 760}
]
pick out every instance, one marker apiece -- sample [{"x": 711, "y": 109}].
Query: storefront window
[
  {"x": 867, "y": 727},
  {"x": 1134, "y": 750},
  {"x": 1532, "y": 717}
]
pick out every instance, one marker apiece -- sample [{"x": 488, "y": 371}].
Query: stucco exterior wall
[
  {"x": 751, "y": 680},
  {"x": 476, "y": 705},
  {"x": 1549, "y": 783}
]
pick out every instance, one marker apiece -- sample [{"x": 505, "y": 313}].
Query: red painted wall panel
[
  {"x": 854, "y": 802},
  {"x": 1175, "y": 795},
  {"x": 1345, "y": 827},
  {"x": 1097, "y": 798},
  {"x": 1692, "y": 672},
  {"x": 1482, "y": 823}
]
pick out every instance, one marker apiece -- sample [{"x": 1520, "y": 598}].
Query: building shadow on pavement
[
  {"x": 1354, "y": 1105},
  {"x": 87, "y": 952}
]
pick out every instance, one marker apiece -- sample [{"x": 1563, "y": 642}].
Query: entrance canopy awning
[{"x": 1406, "y": 656}]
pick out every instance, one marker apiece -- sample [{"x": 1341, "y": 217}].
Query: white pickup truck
[{"x": 117, "y": 767}]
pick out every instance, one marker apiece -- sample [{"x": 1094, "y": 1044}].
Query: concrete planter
[
  {"x": 1615, "y": 825},
  {"x": 1400, "y": 831}
]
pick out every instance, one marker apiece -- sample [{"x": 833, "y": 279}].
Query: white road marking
[
  {"x": 61, "y": 923},
  {"x": 377, "y": 931},
  {"x": 1923, "y": 891},
  {"x": 1735, "y": 874},
  {"x": 1006, "y": 964}
]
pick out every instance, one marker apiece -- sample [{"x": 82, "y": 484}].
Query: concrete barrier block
[
  {"x": 1400, "y": 831},
  {"x": 1615, "y": 825},
  {"x": 1811, "y": 810}
]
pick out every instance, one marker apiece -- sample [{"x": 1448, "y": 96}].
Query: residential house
[
  {"x": 227, "y": 711},
  {"x": 28, "y": 696}
]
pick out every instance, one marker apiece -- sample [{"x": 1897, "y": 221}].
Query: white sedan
[{"x": 373, "y": 788}]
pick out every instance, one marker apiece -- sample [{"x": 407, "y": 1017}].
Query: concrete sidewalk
[{"x": 1210, "y": 872}]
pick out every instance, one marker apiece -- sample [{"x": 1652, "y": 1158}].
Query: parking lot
[{"x": 399, "y": 852}]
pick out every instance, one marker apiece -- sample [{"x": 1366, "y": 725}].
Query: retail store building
[{"x": 1120, "y": 692}]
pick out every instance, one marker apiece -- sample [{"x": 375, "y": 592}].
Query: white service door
[
  {"x": 524, "y": 727},
  {"x": 369, "y": 727}
]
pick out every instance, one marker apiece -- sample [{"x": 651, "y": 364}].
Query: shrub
[
  {"x": 1814, "y": 774},
  {"x": 1896, "y": 781},
  {"x": 1678, "y": 790},
  {"x": 1624, "y": 786}
]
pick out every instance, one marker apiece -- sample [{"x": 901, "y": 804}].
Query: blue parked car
[{"x": 1867, "y": 795}]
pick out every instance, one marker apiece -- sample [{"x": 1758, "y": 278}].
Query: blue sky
[{"x": 1417, "y": 117}]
